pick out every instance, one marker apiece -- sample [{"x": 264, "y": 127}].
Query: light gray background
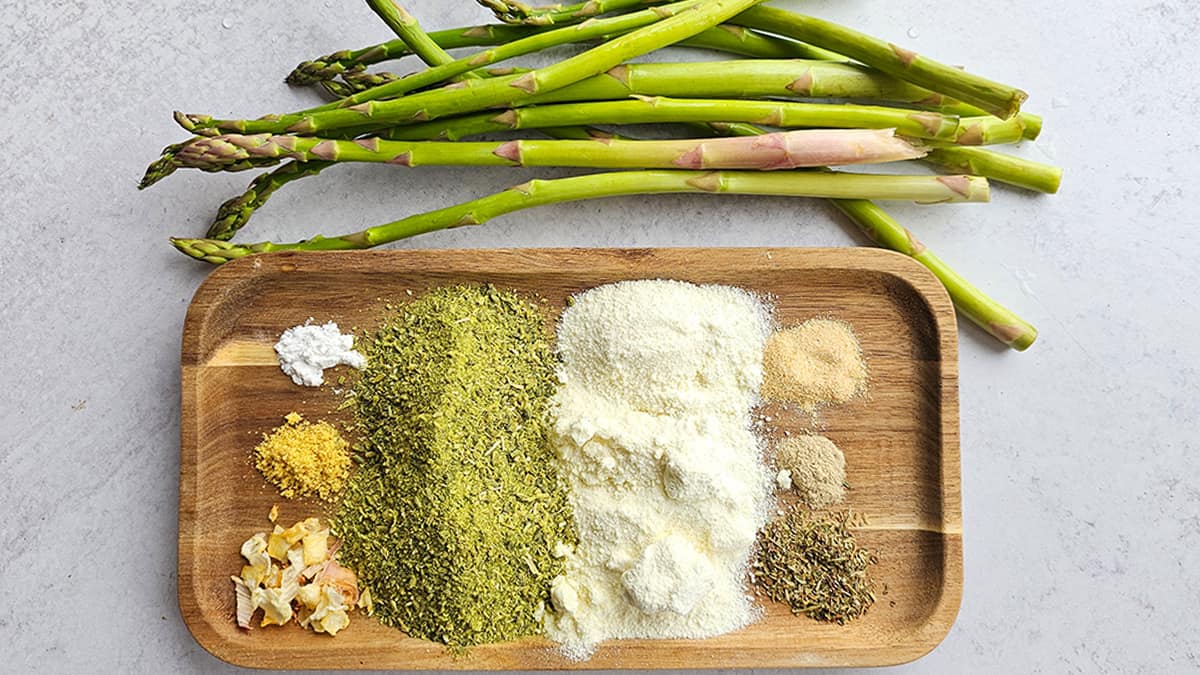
[{"x": 1081, "y": 500}]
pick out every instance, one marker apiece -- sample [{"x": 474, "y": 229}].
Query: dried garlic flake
[{"x": 294, "y": 565}]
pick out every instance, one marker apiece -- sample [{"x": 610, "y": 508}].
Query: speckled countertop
[{"x": 1080, "y": 459}]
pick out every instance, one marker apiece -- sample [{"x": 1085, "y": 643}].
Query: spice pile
[
  {"x": 303, "y": 459},
  {"x": 456, "y": 508},
  {"x": 668, "y": 488},
  {"x": 814, "y": 467},
  {"x": 813, "y": 564},
  {"x": 290, "y": 573},
  {"x": 816, "y": 363},
  {"x": 305, "y": 351}
]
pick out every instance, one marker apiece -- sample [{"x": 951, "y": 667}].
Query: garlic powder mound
[{"x": 818, "y": 362}]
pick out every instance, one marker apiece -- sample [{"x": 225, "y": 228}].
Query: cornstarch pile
[
  {"x": 305, "y": 351},
  {"x": 657, "y": 382}
]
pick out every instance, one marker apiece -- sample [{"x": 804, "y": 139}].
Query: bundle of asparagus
[{"x": 805, "y": 95}]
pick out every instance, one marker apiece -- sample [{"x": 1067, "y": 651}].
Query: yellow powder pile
[
  {"x": 303, "y": 459},
  {"x": 815, "y": 467},
  {"x": 815, "y": 363}
]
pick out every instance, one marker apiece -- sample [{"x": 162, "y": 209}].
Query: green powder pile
[{"x": 455, "y": 510}]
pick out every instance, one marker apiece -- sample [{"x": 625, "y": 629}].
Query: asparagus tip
[{"x": 159, "y": 169}]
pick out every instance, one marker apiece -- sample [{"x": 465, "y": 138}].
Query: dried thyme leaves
[
  {"x": 456, "y": 507},
  {"x": 812, "y": 563}
]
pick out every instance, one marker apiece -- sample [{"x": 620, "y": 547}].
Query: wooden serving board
[{"x": 901, "y": 443}]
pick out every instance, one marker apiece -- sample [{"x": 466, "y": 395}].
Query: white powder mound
[
  {"x": 305, "y": 351},
  {"x": 653, "y": 433},
  {"x": 666, "y": 346}
]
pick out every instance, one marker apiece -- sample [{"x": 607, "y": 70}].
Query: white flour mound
[
  {"x": 305, "y": 351},
  {"x": 653, "y": 432}
]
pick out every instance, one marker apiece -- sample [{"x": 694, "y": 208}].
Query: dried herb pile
[
  {"x": 456, "y": 507},
  {"x": 812, "y": 563}
]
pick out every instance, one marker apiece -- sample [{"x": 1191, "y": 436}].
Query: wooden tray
[{"x": 901, "y": 445}]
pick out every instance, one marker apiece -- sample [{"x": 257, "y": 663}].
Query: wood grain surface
[{"x": 901, "y": 441}]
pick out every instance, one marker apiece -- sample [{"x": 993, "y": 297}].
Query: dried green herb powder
[
  {"x": 812, "y": 563},
  {"x": 456, "y": 507}
]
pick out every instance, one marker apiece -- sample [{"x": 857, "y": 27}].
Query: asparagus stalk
[
  {"x": 651, "y": 110},
  {"x": 998, "y": 99},
  {"x": 885, "y": 231},
  {"x": 973, "y": 303},
  {"x": 989, "y": 130},
  {"x": 409, "y": 30},
  {"x": 446, "y": 68},
  {"x": 511, "y": 11},
  {"x": 485, "y": 93},
  {"x": 730, "y": 39},
  {"x": 236, "y": 212},
  {"x": 353, "y": 61},
  {"x": 998, "y": 166},
  {"x": 355, "y": 83},
  {"x": 593, "y": 186},
  {"x": 740, "y": 78},
  {"x": 786, "y": 150},
  {"x": 741, "y": 41}
]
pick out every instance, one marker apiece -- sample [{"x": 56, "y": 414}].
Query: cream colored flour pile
[{"x": 666, "y": 476}]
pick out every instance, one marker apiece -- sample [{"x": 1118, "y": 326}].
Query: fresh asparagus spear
[
  {"x": 446, "y": 68},
  {"x": 593, "y": 186},
  {"x": 741, "y": 41},
  {"x": 353, "y": 61},
  {"x": 975, "y": 161},
  {"x": 511, "y": 11},
  {"x": 235, "y": 212},
  {"x": 355, "y": 83},
  {"x": 739, "y": 78},
  {"x": 785, "y": 150},
  {"x": 998, "y": 99},
  {"x": 409, "y": 30},
  {"x": 480, "y": 94},
  {"x": 998, "y": 166},
  {"x": 651, "y": 110},
  {"x": 763, "y": 79},
  {"x": 974, "y": 304},
  {"x": 727, "y": 38}
]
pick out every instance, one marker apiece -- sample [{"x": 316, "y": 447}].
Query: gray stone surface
[{"x": 1082, "y": 505}]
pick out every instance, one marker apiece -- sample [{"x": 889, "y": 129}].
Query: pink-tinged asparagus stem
[{"x": 782, "y": 150}]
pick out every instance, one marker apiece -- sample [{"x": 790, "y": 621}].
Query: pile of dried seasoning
[
  {"x": 304, "y": 459},
  {"x": 456, "y": 508},
  {"x": 812, "y": 563}
]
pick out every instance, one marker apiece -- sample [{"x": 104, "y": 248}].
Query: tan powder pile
[
  {"x": 814, "y": 467},
  {"x": 304, "y": 459},
  {"x": 818, "y": 362}
]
